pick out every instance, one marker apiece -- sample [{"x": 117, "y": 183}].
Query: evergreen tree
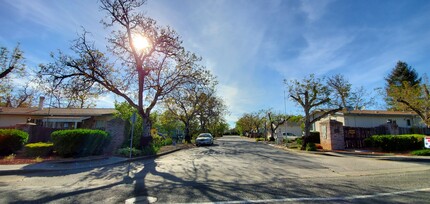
[{"x": 402, "y": 75}]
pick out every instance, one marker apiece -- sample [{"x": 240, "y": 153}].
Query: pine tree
[{"x": 402, "y": 75}]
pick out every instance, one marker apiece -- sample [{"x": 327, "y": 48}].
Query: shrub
[
  {"x": 11, "y": 140},
  {"x": 10, "y": 157},
  {"x": 299, "y": 141},
  {"x": 150, "y": 150},
  {"x": 259, "y": 139},
  {"x": 396, "y": 142},
  {"x": 311, "y": 146},
  {"x": 126, "y": 152},
  {"x": 421, "y": 152},
  {"x": 38, "y": 149},
  {"x": 79, "y": 142}
]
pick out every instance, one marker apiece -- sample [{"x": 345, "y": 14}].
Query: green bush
[
  {"x": 79, "y": 142},
  {"x": 160, "y": 141},
  {"x": 311, "y": 147},
  {"x": 151, "y": 150},
  {"x": 11, "y": 140},
  {"x": 260, "y": 139},
  {"x": 126, "y": 152},
  {"x": 421, "y": 152},
  {"x": 38, "y": 149},
  {"x": 396, "y": 142},
  {"x": 299, "y": 141}
]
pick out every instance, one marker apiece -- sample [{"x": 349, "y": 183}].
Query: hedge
[
  {"x": 12, "y": 140},
  {"x": 126, "y": 152},
  {"x": 396, "y": 142},
  {"x": 38, "y": 149},
  {"x": 79, "y": 142}
]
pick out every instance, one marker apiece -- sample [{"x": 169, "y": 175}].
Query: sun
[{"x": 140, "y": 42}]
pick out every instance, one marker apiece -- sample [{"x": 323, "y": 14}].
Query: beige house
[
  {"x": 373, "y": 118},
  {"x": 58, "y": 118},
  {"x": 40, "y": 122}
]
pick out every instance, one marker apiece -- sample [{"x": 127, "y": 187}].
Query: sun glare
[{"x": 140, "y": 42}]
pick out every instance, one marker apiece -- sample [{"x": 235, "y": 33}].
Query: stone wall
[
  {"x": 331, "y": 135},
  {"x": 115, "y": 128}
]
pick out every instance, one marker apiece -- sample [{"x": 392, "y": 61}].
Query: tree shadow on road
[{"x": 192, "y": 179}]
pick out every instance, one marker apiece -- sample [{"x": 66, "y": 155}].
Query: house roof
[
  {"x": 378, "y": 112},
  {"x": 57, "y": 111}
]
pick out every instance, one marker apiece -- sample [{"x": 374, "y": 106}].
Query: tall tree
[
  {"x": 186, "y": 101},
  {"x": 341, "y": 89},
  {"x": 73, "y": 94},
  {"x": 244, "y": 125},
  {"x": 211, "y": 113},
  {"x": 414, "y": 97},
  {"x": 146, "y": 61},
  {"x": 12, "y": 69},
  {"x": 311, "y": 93},
  {"x": 401, "y": 76},
  {"x": 9, "y": 63},
  {"x": 360, "y": 99}
]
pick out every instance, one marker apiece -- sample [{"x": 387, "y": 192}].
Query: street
[{"x": 233, "y": 170}]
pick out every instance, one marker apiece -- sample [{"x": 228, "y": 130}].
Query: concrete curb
[
  {"x": 23, "y": 169},
  {"x": 384, "y": 157}
]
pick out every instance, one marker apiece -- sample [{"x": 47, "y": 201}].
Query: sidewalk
[
  {"x": 358, "y": 153},
  {"x": 71, "y": 164}
]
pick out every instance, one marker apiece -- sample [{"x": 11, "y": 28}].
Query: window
[
  {"x": 408, "y": 122},
  {"x": 100, "y": 124}
]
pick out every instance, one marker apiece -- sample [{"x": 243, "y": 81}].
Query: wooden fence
[{"x": 355, "y": 136}]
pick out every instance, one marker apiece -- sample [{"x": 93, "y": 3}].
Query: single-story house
[
  {"x": 373, "y": 118},
  {"x": 39, "y": 121},
  {"x": 58, "y": 118},
  {"x": 287, "y": 129}
]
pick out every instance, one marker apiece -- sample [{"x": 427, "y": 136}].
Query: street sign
[{"x": 427, "y": 142}]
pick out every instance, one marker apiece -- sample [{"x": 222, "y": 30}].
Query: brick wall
[
  {"x": 115, "y": 128},
  {"x": 331, "y": 135}
]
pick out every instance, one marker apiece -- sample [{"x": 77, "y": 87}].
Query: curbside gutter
[{"x": 84, "y": 163}]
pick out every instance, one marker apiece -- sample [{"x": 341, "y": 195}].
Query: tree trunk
[
  {"x": 146, "y": 138},
  {"x": 187, "y": 133},
  {"x": 272, "y": 137},
  {"x": 305, "y": 137}
]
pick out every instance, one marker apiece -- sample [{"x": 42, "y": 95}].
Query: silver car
[{"x": 204, "y": 139}]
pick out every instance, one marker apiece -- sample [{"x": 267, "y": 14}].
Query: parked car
[{"x": 204, "y": 139}]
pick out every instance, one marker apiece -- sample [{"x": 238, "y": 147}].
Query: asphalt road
[{"x": 234, "y": 170}]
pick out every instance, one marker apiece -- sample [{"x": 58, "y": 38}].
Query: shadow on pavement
[{"x": 262, "y": 175}]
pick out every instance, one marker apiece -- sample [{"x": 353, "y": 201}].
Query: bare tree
[
  {"x": 12, "y": 69},
  {"x": 12, "y": 62},
  {"x": 146, "y": 61},
  {"x": 341, "y": 89},
  {"x": 311, "y": 93},
  {"x": 360, "y": 98},
  {"x": 275, "y": 120},
  {"x": 69, "y": 95}
]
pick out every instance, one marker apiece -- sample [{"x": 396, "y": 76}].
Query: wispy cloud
[{"x": 314, "y": 10}]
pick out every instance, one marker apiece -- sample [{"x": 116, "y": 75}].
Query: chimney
[{"x": 41, "y": 100}]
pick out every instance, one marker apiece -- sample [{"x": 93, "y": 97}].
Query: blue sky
[{"x": 250, "y": 45}]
